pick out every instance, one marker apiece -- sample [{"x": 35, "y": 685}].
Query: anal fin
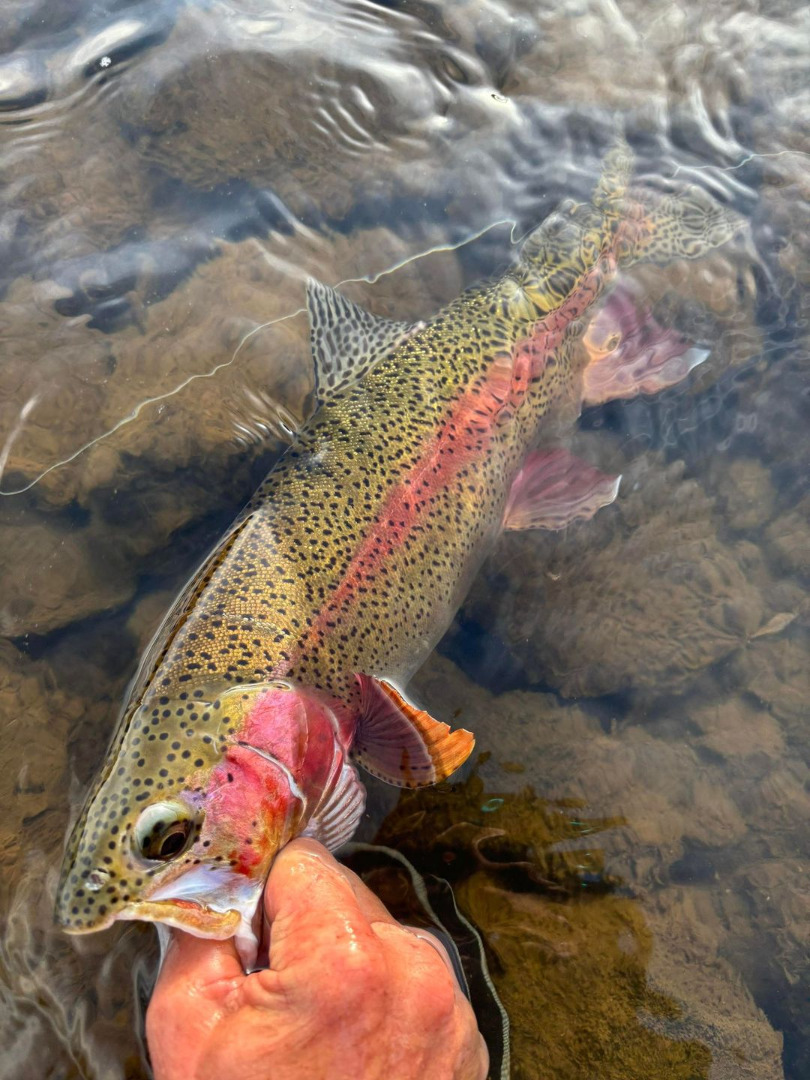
[
  {"x": 554, "y": 488},
  {"x": 630, "y": 353},
  {"x": 400, "y": 743}
]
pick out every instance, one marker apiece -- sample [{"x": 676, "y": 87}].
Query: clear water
[{"x": 171, "y": 173}]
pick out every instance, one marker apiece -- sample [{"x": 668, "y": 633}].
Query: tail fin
[
  {"x": 649, "y": 226},
  {"x": 628, "y": 225},
  {"x": 685, "y": 225}
]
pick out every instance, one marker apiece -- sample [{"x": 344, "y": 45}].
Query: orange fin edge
[{"x": 404, "y": 745}]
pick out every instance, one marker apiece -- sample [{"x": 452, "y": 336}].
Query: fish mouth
[{"x": 189, "y": 915}]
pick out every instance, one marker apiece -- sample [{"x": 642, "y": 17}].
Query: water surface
[{"x": 633, "y": 842}]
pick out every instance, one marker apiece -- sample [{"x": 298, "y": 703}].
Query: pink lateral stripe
[
  {"x": 408, "y": 502},
  {"x": 473, "y": 416}
]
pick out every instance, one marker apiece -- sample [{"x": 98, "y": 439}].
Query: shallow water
[{"x": 633, "y": 842}]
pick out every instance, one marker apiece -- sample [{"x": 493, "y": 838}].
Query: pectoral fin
[
  {"x": 401, "y": 744},
  {"x": 346, "y": 341},
  {"x": 338, "y": 813},
  {"x": 555, "y": 488}
]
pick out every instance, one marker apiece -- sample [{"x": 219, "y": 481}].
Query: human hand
[{"x": 349, "y": 993}]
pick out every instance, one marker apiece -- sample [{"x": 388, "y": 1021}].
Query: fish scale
[{"x": 282, "y": 659}]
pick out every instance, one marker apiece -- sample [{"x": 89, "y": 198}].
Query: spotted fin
[
  {"x": 554, "y": 488},
  {"x": 346, "y": 341},
  {"x": 684, "y": 225},
  {"x": 630, "y": 353},
  {"x": 401, "y": 744},
  {"x": 337, "y": 814}
]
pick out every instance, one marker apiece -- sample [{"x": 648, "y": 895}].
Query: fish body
[{"x": 283, "y": 661}]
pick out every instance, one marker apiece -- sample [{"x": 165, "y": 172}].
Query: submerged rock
[
  {"x": 770, "y": 902},
  {"x": 47, "y": 1019},
  {"x": 787, "y": 541},
  {"x": 777, "y": 673},
  {"x": 54, "y": 574},
  {"x": 350, "y": 107},
  {"x": 35, "y": 759},
  {"x": 689, "y": 962},
  {"x": 77, "y": 191},
  {"x": 193, "y": 377},
  {"x": 746, "y": 493}
]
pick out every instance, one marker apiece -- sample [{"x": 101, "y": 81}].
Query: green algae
[
  {"x": 568, "y": 948},
  {"x": 572, "y": 977}
]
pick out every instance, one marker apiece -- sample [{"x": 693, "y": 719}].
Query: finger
[
  {"x": 296, "y": 870},
  {"x": 196, "y": 977},
  {"x": 322, "y": 919},
  {"x": 429, "y": 1000},
  {"x": 439, "y": 946},
  {"x": 197, "y": 969}
]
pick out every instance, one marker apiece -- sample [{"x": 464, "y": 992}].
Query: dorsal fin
[
  {"x": 346, "y": 340},
  {"x": 401, "y": 744}
]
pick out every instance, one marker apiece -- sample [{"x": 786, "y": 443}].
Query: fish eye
[{"x": 162, "y": 831}]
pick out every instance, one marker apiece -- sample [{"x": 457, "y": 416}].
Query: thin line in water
[
  {"x": 739, "y": 165},
  {"x": 15, "y": 431},
  {"x": 370, "y": 279}
]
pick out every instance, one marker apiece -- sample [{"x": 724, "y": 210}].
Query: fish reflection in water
[{"x": 285, "y": 653}]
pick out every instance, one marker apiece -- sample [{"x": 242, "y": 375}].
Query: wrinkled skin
[{"x": 349, "y": 992}]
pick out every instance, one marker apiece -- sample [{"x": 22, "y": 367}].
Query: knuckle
[
  {"x": 358, "y": 978},
  {"x": 437, "y": 1000},
  {"x": 433, "y": 988},
  {"x": 472, "y": 1058}
]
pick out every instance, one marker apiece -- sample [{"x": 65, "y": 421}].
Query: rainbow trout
[{"x": 283, "y": 662}]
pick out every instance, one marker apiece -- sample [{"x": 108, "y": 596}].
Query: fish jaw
[
  {"x": 231, "y": 913},
  {"x": 195, "y": 918},
  {"x": 201, "y": 920},
  {"x": 235, "y": 917}
]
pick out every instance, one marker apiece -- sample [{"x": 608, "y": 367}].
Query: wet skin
[{"x": 349, "y": 992}]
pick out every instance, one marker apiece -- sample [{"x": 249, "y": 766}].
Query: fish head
[{"x": 194, "y": 802}]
